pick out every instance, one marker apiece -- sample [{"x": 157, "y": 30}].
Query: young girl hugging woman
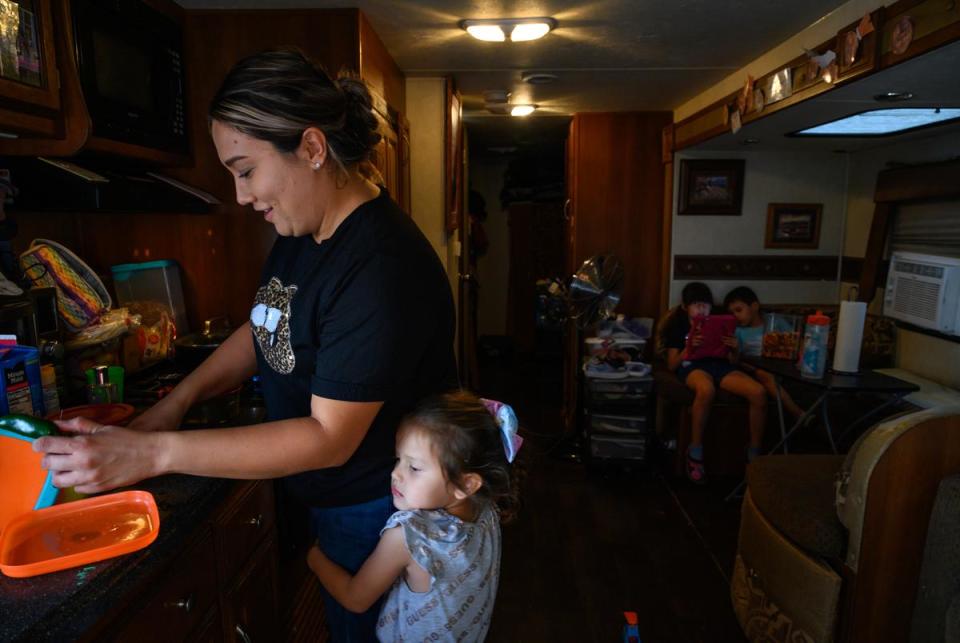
[{"x": 439, "y": 554}]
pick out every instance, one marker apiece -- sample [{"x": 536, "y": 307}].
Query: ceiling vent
[
  {"x": 494, "y": 96},
  {"x": 537, "y": 77}
]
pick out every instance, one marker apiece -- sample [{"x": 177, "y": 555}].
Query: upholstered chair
[{"x": 831, "y": 547}]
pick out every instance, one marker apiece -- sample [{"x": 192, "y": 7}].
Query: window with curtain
[{"x": 930, "y": 228}]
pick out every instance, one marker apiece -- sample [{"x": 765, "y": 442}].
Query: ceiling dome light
[
  {"x": 487, "y": 33},
  {"x": 529, "y": 31},
  {"x": 520, "y": 29},
  {"x": 522, "y": 110}
]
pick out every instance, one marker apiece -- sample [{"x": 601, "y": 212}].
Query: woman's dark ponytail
[
  {"x": 275, "y": 95},
  {"x": 360, "y": 119}
]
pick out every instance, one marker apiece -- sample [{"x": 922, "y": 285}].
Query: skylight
[{"x": 881, "y": 122}]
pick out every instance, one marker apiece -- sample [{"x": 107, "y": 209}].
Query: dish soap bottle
[{"x": 813, "y": 361}]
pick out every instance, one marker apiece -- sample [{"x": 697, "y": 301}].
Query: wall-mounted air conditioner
[{"x": 924, "y": 290}]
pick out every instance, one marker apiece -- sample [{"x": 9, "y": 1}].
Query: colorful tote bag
[{"x": 81, "y": 296}]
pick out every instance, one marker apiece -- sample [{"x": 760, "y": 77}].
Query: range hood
[{"x": 76, "y": 185}]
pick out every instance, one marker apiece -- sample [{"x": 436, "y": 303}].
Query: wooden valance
[{"x": 897, "y": 187}]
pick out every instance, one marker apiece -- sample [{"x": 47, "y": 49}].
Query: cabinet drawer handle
[
  {"x": 185, "y": 604},
  {"x": 256, "y": 522},
  {"x": 243, "y": 635}
]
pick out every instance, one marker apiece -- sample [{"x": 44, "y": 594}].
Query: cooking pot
[
  {"x": 191, "y": 350},
  {"x": 232, "y": 408},
  {"x": 221, "y": 410}
]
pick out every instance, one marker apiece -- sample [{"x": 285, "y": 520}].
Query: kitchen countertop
[{"x": 63, "y": 605}]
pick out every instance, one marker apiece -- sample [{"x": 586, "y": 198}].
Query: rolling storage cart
[{"x": 618, "y": 417}]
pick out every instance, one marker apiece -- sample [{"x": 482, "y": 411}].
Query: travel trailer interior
[{"x": 536, "y": 223}]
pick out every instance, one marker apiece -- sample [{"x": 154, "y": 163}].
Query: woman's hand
[
  {"x": 165, "y": 415},
  {"x": 99, "y": 458}
]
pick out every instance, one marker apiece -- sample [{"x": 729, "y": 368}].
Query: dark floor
[{"x": 591, "y": 544}]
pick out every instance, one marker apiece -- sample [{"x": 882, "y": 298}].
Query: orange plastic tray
[
  {"x": 116, "y": 414},
  {"x": 78, "y": 533}
]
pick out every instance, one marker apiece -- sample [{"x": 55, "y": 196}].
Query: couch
[{"x": 726, "y": 436}]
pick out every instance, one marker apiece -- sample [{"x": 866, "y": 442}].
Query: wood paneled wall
[{"x": 616, "y": 186}]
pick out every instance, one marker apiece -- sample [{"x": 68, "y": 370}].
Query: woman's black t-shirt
[{"x": 365, "y": 316}]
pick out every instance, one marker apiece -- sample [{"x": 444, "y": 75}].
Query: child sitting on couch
[
  {"x": 705, "y": 375},
  {"x": 743, "y": 304}
]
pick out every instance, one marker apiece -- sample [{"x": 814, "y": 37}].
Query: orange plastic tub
[
  {"x": 116, "y": 414},
  {"x": 26, "y": 485},
  {"x": 78, "y": 533}
]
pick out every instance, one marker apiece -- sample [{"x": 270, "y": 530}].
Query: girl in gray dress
[{"x": 439, "y": 554}]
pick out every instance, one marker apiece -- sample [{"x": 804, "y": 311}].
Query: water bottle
[{"x": 813, "y": 360}]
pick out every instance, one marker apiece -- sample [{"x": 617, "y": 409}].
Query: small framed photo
[
  {"x": 793, "y": 225},
  {"x": 711, "y": 186}
]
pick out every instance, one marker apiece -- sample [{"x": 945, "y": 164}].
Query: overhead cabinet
[{"x": 338, "y": 39}]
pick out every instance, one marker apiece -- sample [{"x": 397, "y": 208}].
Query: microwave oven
[{"x": 129, "y": 57}]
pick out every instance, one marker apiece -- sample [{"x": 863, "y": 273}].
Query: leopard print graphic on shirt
[{"x": 270, "y": 322}]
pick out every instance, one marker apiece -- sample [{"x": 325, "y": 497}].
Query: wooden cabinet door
[
  {"x": 391, "y": 173},
  {"x": 243, "y": 526},
  {"x": 403, "y": 155},
  {"x": 28, "y": 66},
  {"x": 250, "y": 612},
  {"x": 387, "y": 158},
  {"x": 211, "y": 631},
  {"x": 615, "y": 191},
  {"x": 182, "y": 601}
]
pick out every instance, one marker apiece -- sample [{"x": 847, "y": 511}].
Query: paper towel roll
[{"x": 846, "y": 354}]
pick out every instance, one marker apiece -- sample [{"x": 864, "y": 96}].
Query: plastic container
[
  {"x": 114, "y": 414},
  {"x": 26, "y": 485},
  {"x": 21, "y": 389},
  {"x": 781, "y": 336},
  {"x": 813, "y": 361},
  {"x": 51, "y": 399},
  {"x": 618, "y": 424},
  {"x": 78, "y": 533},
  {"x": 152, "y": 281}
]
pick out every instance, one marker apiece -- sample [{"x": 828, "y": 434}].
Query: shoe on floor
[{"x": 696, "y": 473}]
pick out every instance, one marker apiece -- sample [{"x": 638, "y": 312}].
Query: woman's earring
[{"x": 316, "y": 165}]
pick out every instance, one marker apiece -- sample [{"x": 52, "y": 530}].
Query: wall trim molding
[{"x": 756, "y": 267}]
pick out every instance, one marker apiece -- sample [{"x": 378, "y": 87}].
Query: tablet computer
[{"x": 713, "y": 328}]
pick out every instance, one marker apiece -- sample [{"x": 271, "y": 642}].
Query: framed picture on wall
[
  {"x": 711, "y": 186},
  {"x": 793, "y": 225}
]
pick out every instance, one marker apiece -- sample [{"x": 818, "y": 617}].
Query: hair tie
[{"x": 506, "y": 419}]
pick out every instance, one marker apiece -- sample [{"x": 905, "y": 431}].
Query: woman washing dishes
[{"x": 352, "y": 324}]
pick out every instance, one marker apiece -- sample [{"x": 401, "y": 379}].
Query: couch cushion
[{"x": 796, "y": 494}]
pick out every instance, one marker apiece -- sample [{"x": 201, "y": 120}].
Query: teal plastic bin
[{"x": 152, "y": 281}]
